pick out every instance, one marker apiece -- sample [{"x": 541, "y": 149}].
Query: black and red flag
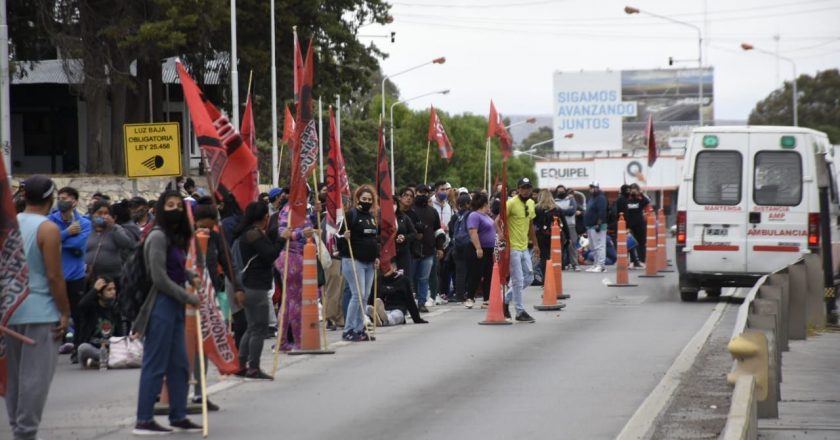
[
  {"x": 14, "y": 272},
  {"x": 650, "y": 139},
  {"x": 438, "y": 134},
  {"x": 305, "y": 146},
  {"x": 387, "y": 216},
  {"x": 496, "y": 127},
  {"x": 230, "y": 161},
  {"x": 338, "y": 186}
]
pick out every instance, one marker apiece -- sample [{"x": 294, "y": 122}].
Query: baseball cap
[
  {"x": 594, "y": 184},
  {"x": 38, "y": 188},
  {"x": 523, "y": 182},
  {"x": 274, "y": 193},
  {"x": 463, "y": 190},
  {"x": 424, "y": 188}
]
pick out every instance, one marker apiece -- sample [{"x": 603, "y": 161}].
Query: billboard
[
  {"x": 611, "y": 173},
  {"x": 600, "y": 111}
]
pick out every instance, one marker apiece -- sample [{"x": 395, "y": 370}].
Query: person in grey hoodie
[
  {"x": 107, "y": 245},
  {"x": 595, "y": 219},
  {"x": 568, "y": 206}
]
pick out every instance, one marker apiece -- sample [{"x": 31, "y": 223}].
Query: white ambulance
[{"x": 748, "y": 204}]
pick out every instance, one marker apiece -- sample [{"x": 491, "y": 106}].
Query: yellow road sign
[{"x": 152, "y": 150}]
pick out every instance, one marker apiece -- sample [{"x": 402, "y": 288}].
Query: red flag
[
  {"x": 503, "y": 255},
  {"x": 497, "y": 128},
  {"x": 650, "y": 138},
  {"x": 288, "y": 127},
  {"x": 338, "y": 185},
  {"x": 305, "y": 150},
  {"x": 14, "y": 273},
  {"x": 230, "y": 162},
  {"x": 297, "y": 67},
  {"x": 387, "y": 216},
  {"x": 219, "y": 345},
  {"x": 438, "y": 134},
  {"x": 249, "y": 129}
]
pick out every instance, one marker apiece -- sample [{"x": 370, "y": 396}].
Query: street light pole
[
  {"x": 630, "y": 10},
  {"x": 393, "y": 171},
  {"x": 5, "y": 107},
  {"x": 234, "y": 70},
  {"x": 748, "y": 47},
  {"x": 439, "y": 60},
  {"x": 275, "y": 175}
]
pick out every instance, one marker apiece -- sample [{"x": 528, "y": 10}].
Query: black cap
[
  {"x": 137, "y": 201},
  {"x": 523, "y": 182},
  {"x": 423, "y": 188},
  {"x": 38, "y": 188}
]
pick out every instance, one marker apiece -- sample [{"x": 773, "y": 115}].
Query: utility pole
[{"x": 5, "y": 107}]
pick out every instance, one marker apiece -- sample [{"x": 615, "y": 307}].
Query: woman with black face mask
[
  {"x": 161, "y": 318},
  {"x": 359, "y": 249}
]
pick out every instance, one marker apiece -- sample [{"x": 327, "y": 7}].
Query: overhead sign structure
[{"x": 152, "y": 150}]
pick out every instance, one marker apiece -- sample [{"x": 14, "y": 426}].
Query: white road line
[{"x": 639, "y": 426}]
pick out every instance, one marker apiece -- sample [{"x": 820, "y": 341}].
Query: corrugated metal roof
[{"x": 54, "y": 71}]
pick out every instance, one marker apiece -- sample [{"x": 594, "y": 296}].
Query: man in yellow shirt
[{"x": 520, "y": 217}]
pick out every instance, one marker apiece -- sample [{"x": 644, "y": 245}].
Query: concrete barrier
[
  {"x": 798, "y": 289},
  {"x": 742, "y": 421},
  {"x": 815, "y": 302}
]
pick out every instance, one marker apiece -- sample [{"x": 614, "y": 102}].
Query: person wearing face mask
[
  {"x": 107, "y": 244},
  {"x": 427, "y": 223},
  {"x": 595, "y": 219},
  {"x": 566, "y": 203},
  {"x": 358, "y": 244},
  {"x": 100, "y": 320},
  {"x": 162, "y": 316},
  {"x": 439, "y": 277},
  {"x": 140, "y": 214},
  {"x": 637, "y": 206},
  {"x": 75, "y": 230},
  {"x": 521, "y": 211}
]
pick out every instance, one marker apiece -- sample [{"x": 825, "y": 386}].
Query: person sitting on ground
[
  {"x": 100, "y": 320},
  {"x": 394, "y": 299}
]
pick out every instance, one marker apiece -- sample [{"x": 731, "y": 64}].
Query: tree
[
  {"x": 542, "y": 134},
  {"x": 819, "y": 104}
]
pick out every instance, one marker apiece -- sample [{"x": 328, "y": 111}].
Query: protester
[
  {"x": 637, "y": 206},
  {"x": 479, "y": 256},
  {"x": 107, "y": 246},
  {"x": 406, "y": 232},
  {"x": 595, "y": 219},
  {"x": 439, "y": 275},
  {"x": 394, "y": 300},
  {"x": 568, "y": 207},
  {"x": 426, "y": 222},
  {"x": 292, "y": 255},
  {"x": 75, "y": 230},
  {"x": 141, "y": 215},
  {"x": 520, "y": 215},
  {"x": 544, "y": 223},
  {"x": 122, "y": 217},
  {"x": 331, "y": 292},
  {"x": 258, "y": 255},
  {"x": 43, "y": 316},
  {"x": 359, "y": 249},
  {"x": 458, "y": 248},
  {"x": 100, "y": 320},
  {"x": 161, "y": 318}
]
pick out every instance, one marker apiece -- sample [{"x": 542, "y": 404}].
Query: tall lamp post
[
  {"x": 393, "y": 172},
  {"x": 748, "y": 47},
  {"x": 630, "y": 10},
  {"x": 439, "y": 60}
]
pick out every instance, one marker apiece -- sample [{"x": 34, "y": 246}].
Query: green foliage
[{"x": 819, "y": 104}]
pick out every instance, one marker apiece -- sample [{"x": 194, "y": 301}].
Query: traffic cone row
[
  {"x": 556, "y": 260},
  {"x": 495, "y": 315},
  {"x": 652, "y": 248},
  {"x": 549, "y": 292}
]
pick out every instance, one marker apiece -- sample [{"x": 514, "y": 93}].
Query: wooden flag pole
[
  {"x": 426, "y": 174},
  {"x": 16, "y": 335},
  {"x": 203, "y": 377},
  {"x": 250, "y": 81},
  {"x": 318, "y": 253},
  {"x": 281, "y": 316}
]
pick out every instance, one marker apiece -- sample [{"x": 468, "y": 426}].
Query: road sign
[{"x": 152, "y": 150}]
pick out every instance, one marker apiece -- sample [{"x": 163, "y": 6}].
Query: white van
[{"x": 748, "y": 204}]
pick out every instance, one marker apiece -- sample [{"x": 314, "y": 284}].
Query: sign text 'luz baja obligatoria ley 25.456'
[{"x": 152, "y": 150}]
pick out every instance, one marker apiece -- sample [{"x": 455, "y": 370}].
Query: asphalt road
[{"x": 575, "y": 374}]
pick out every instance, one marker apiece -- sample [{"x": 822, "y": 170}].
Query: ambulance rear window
[
  {"x": 778, "y": 178},
  {"x": 717, "y": 178}
]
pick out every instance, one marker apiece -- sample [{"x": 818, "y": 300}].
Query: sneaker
[
  {"x": 524, "y": 317},
  {"x": 241, "y": 372},
  {"x": 577, "y": 269},
  {"x": 348, "y": 335},
  {"x": 469, "y": 303},
  {"x": 149, "y": 428},
  {"x": 379, "y": 305},
  {"x": 507, "y": 311},
  {"x": 210, "y": 405},
  {"x": 91, "y": 364},
  {"x": 422, "y": 308},
  {"x": 485, "y": 304},
  {"x": 429, "y": 302},
  {"x": 600, "y": 269},
  {"x": 360, "y": 337},
  {"x": 592, "y": 269},
  {"x": 639, "y": 265},
  {"x": 440, "y": 300},
  {"x": 185, "y": 425},
  {"x": 257, "y": 374}
]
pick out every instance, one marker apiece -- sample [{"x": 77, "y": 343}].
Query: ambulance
[{"x": 748, "y": 204}]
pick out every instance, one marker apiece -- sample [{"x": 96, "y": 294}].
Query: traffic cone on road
[
  {"x": 622, "y": 277},
  {"x": 549, "y": 293},
  {"x": 495, "y": 316},
  {"x": 310, "y": 330},
  {"x": 652, "y": 257},
  {"x": 661, "y": 249},
  {"x": 556, "y": 260}
]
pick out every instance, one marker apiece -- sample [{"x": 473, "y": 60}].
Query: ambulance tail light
[
  {"x": 681, "y": 227},
  {"x": 813, "y": 229}
]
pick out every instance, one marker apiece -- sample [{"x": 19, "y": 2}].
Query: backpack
[
  {"x": 239, "y": 265},
  {"x": 461, "y": 234},
  {"x": 135, "y": 282}
]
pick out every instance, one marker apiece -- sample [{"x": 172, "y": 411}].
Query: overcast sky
[{"x": 508, "y": 49}]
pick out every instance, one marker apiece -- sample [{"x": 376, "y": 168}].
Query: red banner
[
  {"x": 288, "y": 126},
  {"x": 496, "y": 127},
  {"x": 248, "y": 128},
  {"x": 387, "y": 216},
  {"x": 14, "y": 273},
  {"x": 305, "y": 151},
  {"x": 338, "y": 186},
  {"x": 219, "y": 345},
  {"x": 438, "y": 134}
]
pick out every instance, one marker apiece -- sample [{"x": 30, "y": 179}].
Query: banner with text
[
  {"x": 152, "y": 150},
  {"x": 611, "y": 173}
]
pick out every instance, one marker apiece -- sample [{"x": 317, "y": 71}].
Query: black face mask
[
  {"x": 421, "y": 200},
  {"x": 365, "y": 206},
  {"x": 173, "y": 218},
  {"x": 561, "y": 195}
]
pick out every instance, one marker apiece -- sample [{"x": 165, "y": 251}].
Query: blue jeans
[
  {"x": 598, "y": 242},
  {"x": 354, "y": 319},
  {"x": 422, "y": 269},
  {"x": 521, "y": 276},
  {"x": 345, "y": 298},
  {"x": 164, "y": 354}
]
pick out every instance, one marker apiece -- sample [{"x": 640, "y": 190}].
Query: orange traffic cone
[
  {"x": 310, "y": 339},
  {"x": 661, "y": 249},
  {"x": 549, "y": 293},
  {"x": 652, "y": 257},
  {"x": 556, "y": 260},
  {"x": 495, "y": 316},
  {"x": 622, "y": 277}
]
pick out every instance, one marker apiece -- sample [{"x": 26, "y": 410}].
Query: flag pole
[
  {"x": 356, "y": 276},
  {"x": 250, "y": 82},
  {"x": 426, "y": 174},
  {"x": 280, "y": 318},
  {"x": 16, "y": 335},
  {"x": 275, "y": 162},
  {"x": 320, "y": 143},
  {"x": 202, "y": 368},
  {"x": 318, "y": 253}
]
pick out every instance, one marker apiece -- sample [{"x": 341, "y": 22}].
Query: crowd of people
[{"x": 447, "y": 240}]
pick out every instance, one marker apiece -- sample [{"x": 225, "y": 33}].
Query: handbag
[
  {"x": 323, "y": 253},
  {"x": 125, "y": 352},
  {"x": 89, "y": 269}
]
